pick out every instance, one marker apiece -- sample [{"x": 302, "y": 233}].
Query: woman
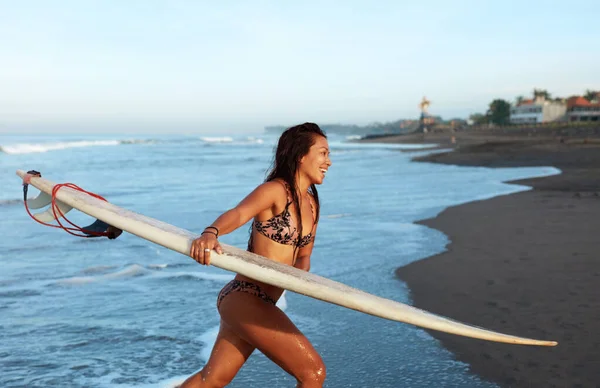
[{"x": 285, "y": 210}]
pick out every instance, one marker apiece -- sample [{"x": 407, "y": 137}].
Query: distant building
[
  {"x": 580, "y": 109},
  {"x": 538, "y": 110}
]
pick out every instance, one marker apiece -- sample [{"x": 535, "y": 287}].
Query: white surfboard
[{"x": 265, "y": 270}]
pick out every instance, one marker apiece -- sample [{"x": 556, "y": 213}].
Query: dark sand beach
[{"x": 526, "y": 264}]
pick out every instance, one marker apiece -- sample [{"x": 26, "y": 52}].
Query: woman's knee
[
  {"x": 213, "y": 379},
  {"x": 313, "y": 375}
]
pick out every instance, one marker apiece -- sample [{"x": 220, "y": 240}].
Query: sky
[{"x": 235, "y": 66}]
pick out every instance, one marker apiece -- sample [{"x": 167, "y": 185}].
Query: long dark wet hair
[{"x": 294, "y": 143}]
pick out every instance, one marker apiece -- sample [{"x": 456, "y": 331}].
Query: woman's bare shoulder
[{"x": 276, "y": 188}]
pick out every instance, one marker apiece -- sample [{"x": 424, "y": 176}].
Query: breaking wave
[
  {"x": 139, "y": 141},
  {"x": 354, "y": 137},
  {"x": 127, "y": 272},
  {"x": 256, "y": 140},
  {"x": 196, "y": 276},
  {"x": 30, "y": 148},
  {"x": 231, "y": 140},
  {"x": 224, "y": 139},
  {"x": 107, "y": 273}
]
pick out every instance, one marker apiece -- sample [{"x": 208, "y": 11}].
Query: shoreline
[{"x": 523, "y": 263}]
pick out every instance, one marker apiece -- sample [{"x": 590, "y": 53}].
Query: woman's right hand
[{"x": 202, "y": 247}]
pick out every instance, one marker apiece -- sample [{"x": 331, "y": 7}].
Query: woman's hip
[{"x": 254, "y": 288}]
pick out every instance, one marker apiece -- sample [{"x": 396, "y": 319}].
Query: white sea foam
[
  {"x": 138, "y": 270},
  {"x": 99, "y": 268},
  {"x": 129, "y": 271},
  {"x": 158, "y": 266},
  {"x": 30, "y": 148},
  {"x": 224, "y": 139},
  {"x": 139, "y": 141},
  {"x": 196, "y": 275},
  {"x": 108, "y": 380},
  {"x": 354, "y": 137},
  {"x": 172, "y": 382},
  {"x": 232, "y": 141},
  {"x": 256, "y": 140},
  {"x": 77, "y": 280},
  {"x": 208, "y": 338}
]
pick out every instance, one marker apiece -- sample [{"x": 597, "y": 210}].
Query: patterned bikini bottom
[{"x": 244, "y": 286}]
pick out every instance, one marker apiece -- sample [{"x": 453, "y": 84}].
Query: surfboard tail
[{"x": 57, "y": 210}]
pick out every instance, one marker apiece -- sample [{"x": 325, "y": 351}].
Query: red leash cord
[{"x": 75, "y": 230}]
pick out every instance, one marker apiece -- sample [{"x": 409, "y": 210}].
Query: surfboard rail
[{"x": 268, "y": 271}]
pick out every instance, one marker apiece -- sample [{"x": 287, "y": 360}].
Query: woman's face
[{"x": 315, "y": 164}]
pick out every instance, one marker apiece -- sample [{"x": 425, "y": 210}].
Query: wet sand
[{"x": 526, "y": 264}]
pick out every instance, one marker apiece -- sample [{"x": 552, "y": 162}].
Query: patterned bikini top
[{"x": 279, "y": 228}]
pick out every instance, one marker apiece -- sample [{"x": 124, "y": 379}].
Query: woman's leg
[
  {"x": 227, "y": 357},
  {"x": 264, "y": 326}
]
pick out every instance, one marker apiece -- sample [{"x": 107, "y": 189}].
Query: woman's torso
[{"x": 275, "y": 234}]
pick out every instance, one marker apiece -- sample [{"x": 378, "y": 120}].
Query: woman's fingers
[
  {"x": 206, "y": 256},
  {"x": 218, "y": 248},
  {"x": 197, "y": 251},
  {"x": 193, "y": 250}
]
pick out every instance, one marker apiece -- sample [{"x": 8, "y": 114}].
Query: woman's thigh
[{"x": 267, "y": 328}]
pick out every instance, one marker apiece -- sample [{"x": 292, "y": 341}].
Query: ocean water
[{"x": 127, "y": 313}]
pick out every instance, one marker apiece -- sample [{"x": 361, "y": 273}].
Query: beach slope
[{"x": 526, "y": 263}]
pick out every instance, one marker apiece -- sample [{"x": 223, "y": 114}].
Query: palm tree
[
  {"x": 591, "y": 95},
  {"x": 541, "y": 93}
]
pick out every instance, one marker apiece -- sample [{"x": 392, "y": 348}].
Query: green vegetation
[
  {"x": 592, "y": 95},
  {"x": 478, "y": 119},
  {"x": 499, "y": 112},
  {"x": 541, "y": 93}
]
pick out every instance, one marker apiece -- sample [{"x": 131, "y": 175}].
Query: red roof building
[
  {"x": 580, "y": 109},
  {"x": 525, "y": 102},
  {"x": 538, "y": 110}
]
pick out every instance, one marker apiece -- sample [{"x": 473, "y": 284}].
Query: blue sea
[{"x": 127, "y": 313}]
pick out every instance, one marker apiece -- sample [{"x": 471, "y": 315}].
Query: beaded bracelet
[{"x": 212, "y": 227}]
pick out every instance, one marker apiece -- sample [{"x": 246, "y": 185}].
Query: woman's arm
[
  {"x": 303, "y": 262},
  {"x": 262, "y": 198},
  {"x": 303, "y": 258}
]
